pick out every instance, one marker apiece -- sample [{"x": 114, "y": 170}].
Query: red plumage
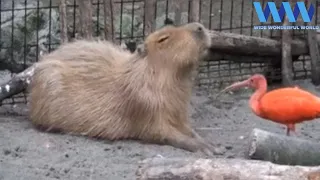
[{"x": 286, "y": 106}]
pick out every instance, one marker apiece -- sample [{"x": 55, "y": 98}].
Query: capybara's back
[
  {"x": 77, "y": 89},
  {"x": 95, "y": 88}
]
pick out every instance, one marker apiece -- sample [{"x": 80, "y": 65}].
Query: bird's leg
[
  {"x": 288, "y": 131},
  {"x": 290, "y": 127}
]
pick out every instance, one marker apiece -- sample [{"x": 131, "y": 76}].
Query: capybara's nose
[{"x": 200, "y": 32}]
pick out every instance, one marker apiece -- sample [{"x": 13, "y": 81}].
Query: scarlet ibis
[{"x": 288, "y": 106}]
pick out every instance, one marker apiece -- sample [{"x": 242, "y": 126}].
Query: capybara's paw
[
  {"x": 211, "y": 150},
  {"x": 208, "y": 151}
]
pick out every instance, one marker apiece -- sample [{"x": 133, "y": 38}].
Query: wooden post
[
  {"x": 314, "y": 49},
  {"x": 108, "y": 20},
  {"x": 287, "y": 74},
  {"x": 63, "y": 22},
  {"x": 149, "y": 16},
  {"x": 194, "y": 13},
  {"x": 177, "y": 11},
  {"x": 85, "y": 9}
]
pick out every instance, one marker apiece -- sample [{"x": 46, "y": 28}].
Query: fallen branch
[
  {"x": 219, "y": 169},
  {"x": 254, "y": 46},
  {"x": 17, "y": 84},
  {"x": 282, "y": 149}
]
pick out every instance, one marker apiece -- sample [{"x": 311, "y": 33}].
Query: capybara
[{"x": 97, "y": 89}]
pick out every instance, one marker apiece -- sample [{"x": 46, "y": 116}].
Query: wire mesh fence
[{"x": 30, "y": 28}]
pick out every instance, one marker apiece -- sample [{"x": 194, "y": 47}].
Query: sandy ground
[{"x": 27, "y": 154}]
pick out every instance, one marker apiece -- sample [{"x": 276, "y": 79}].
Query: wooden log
[
  {"x": 221, "y": 169},
  {"x": 108, "y": 20},
  {"x": 282, "y": 149},
  {"x": 63, "y": 21},
  {"x": 149, "y": 16},
  {"x": 240, "y": 58},
  {"x": 314, "y": 50},
  {"x": 86, "y": 25},
  {"x": 238, "y": 44},
  {"x": 194, "y": 13},
  {"x": 286, "y": 72},
  {"x": 17, "y": 84},
  {"x": 215, "y": 56}
]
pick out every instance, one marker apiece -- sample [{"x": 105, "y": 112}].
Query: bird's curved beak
[{"x": 234, "y": 86}]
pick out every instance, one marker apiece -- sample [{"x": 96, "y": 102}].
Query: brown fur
[{"x": 95, "y": 88}]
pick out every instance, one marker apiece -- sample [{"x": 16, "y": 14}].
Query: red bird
[{"x": 286, "y": 106}]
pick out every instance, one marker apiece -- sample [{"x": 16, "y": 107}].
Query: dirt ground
[{"x": 29, "y": 154}]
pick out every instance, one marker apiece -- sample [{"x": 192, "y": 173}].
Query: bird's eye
[
  {"x": 251, "y": 80},
  {"x": 199, "y": 29}
]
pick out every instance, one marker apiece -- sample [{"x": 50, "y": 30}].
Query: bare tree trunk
[
  {"x": 85, "y": 8},
  {"x": 177, "y": 11},
  {"x": 63, "y": 21},
  {"x": 149, "y": 16},
  {"x": 194, "y": 15},
  {"x": 287, "y": 74},
  {"x": 108, "y": 20},
  {"x": 314, "y": 49},
  {"x": 221, "y": 169}
]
